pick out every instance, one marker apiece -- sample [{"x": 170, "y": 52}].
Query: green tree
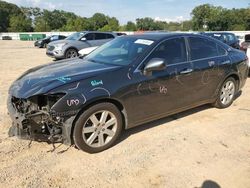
[
  {"x": 19, "y": 23},
  {"x": 145, "y": 24},
  {"x": 7, "y": 10},
  {"x": 200, "y": 16},
  {"x": 130, "y": 26},
  {"x": 113, "y": 23},
  {"x": 187, "y": 25},
  {"x": 220, "y": 19},
  {"x": 99, "y": 20}
]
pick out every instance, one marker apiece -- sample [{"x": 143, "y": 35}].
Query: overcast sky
[{"x": 129, "y": 10}]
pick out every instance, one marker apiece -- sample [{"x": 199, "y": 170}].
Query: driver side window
[
  {"x": 172, "y": 51},
  {"x": 90, "y": 36}
]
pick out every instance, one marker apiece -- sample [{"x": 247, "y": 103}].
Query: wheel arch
[
  {"x": 115, "y": 102},
  {"x": 233, "y": 75},
  {"x": 236, "y": 77},
  {"x": 69, "y": 48}
]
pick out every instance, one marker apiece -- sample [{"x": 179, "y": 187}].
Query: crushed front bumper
[{"x": 26, "y": 126}]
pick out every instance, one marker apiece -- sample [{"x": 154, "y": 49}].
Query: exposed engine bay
[{"x": 35, "y": 120}]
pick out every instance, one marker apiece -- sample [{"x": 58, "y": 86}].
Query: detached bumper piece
[{"x": 35, "y": 125}]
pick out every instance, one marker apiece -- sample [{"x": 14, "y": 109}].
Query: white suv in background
[{"x": 69, "y": 47}]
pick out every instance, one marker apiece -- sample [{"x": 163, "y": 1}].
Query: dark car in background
[
  {"x": 121, "y": 34},
  {"x": 42, "y": 43},
  {"x": 6, "y": 38},
  {"x": 69, "y": 47},
  {"x": 228, "y": 38},
  {"x": 126, "y": 82}
]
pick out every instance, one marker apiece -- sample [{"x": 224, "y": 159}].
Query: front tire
[
  {"x": 71, "y": 53},
  {"x": 98, "y": 128},
  {"x": 226, "y": 94}
]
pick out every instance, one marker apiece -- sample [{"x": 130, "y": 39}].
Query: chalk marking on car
[
  {"x": 74, "y": 88},
  {"x": 63, "y": 79},
  {"x": 85, "y": 100},
  {"x": 101, "y": 88},
  {"x": 138, "y": 89},
  {"x": 163, "y": 90},
  {"x": 72, "y": 102},
  {"x": 129, "y": 77},
  {"x": 205, "y": 78},
  {"x": 96, "y": 83},
  {"x": 28, "y": 82}
]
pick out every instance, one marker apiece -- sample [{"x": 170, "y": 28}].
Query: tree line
[{"x": 204, "y": 17}]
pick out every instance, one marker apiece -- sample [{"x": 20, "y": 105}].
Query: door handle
[
  {"x": 186, "y": 71},
  {"x": 211, "y": 63}
]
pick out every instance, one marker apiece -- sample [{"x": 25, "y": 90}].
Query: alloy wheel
[
  {"x": 99, "y": 129},
  {"x": 227, "y": 92},
  {"x": 71, "y": 54}
]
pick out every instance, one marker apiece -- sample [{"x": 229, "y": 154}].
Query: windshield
[
  {"x": 120, "y": 51},
  {"x": 75, "y": 36}
]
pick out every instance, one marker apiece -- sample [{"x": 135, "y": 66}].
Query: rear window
[
  {"x": 201, "y": 48},
  {"x": 100, "y": 36},
  {"x": 90, "y": 36},
  {"x": 109, "y": 36}
]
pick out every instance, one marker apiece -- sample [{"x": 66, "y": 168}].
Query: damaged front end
[{"x": 33, "y": 119}]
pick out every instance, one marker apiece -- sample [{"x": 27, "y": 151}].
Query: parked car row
[
  {"x": 61, "y": 47},
  {"x": 126, "y": 82},
  {"x": 69, "y": 47},
  {"x": 42, "y": 43},
  {"x": 226, "y": 37}
]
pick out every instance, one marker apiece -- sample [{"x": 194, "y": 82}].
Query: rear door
[
  {"x": 101, "y": 38},
  {"x": 208, "y": 59},
  {"x": 90, "y": 40}
]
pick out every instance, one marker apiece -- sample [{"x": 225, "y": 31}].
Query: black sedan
[
  {"x": 228, "y": 38},
  {"x": 42, "y": 43},
  {"x": 126, "y": 82}
]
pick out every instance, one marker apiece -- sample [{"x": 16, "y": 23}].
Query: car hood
[
  {"x": 42, "y": 79},
  {"x": 59, "y": 42}
]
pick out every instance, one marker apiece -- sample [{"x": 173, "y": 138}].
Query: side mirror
[
  {"x": 155, "y": 64},
  {"x": 83, "y": 39}
]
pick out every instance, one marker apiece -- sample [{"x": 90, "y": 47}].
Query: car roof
[
  {"x": 160, "y": 36},
  {"x": 218, "y": 33},
  {"x": 109, "y": 32}
]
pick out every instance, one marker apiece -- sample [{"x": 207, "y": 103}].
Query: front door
[{"x": 164, "y": 91}]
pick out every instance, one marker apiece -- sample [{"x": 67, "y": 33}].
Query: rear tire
[
  {"x": 98, "y": 128},
  {"x": 226, "y": 94}
]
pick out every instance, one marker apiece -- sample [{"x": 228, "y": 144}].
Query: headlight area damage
[{"x": 34, "y": 119}]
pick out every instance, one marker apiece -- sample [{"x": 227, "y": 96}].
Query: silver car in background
[{"x": 69, "y": 47}]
